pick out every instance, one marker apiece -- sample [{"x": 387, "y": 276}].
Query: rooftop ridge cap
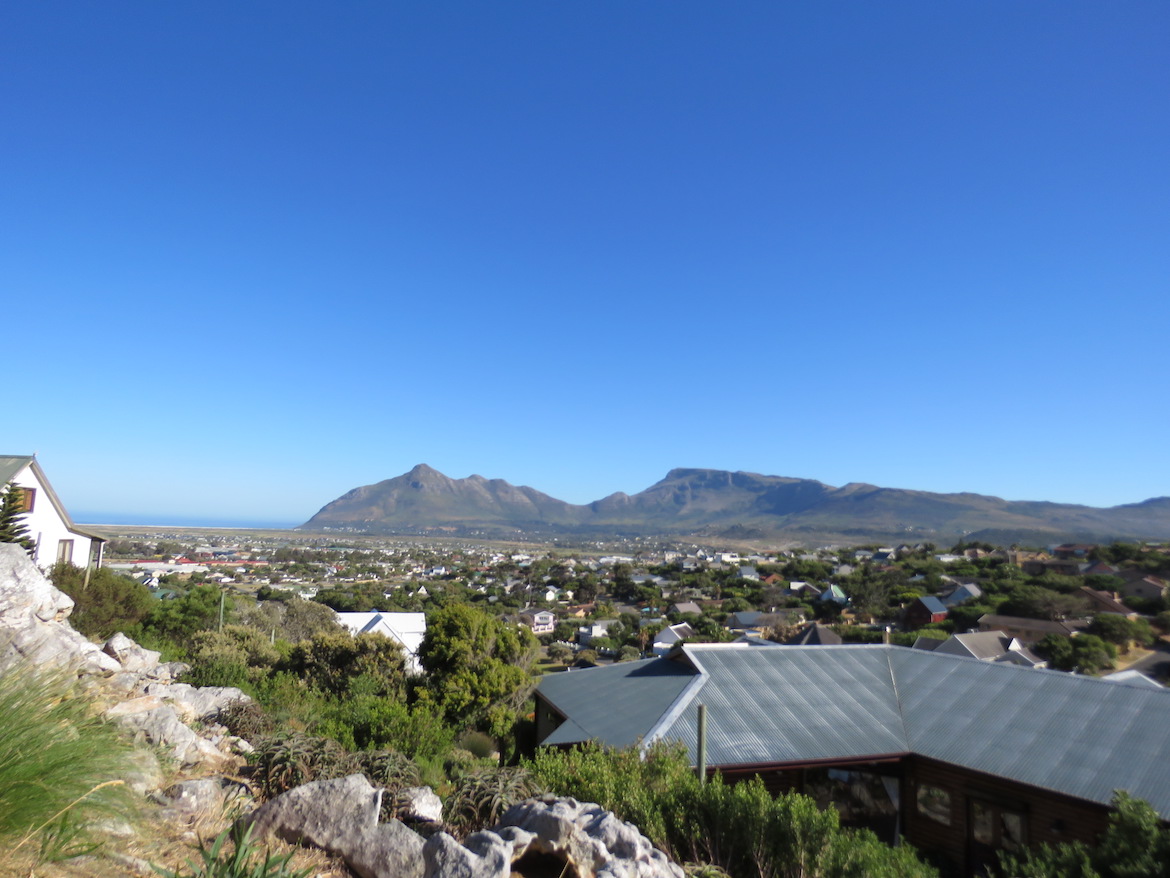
[
  {"x": 672, "y": 713},
  {"x": 898, "y": 694}
]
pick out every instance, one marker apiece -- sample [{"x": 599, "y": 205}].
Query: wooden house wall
[{"x": 1050, "y": 817}]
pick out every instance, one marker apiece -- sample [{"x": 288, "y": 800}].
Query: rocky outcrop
[
  {"x": 564, "y": 835},
  {"x": 131, "y": 684},
  {"x": 590, "y": 839},
  {"x": 341, "y": 817},
  {"x": 32, "y": 621}
]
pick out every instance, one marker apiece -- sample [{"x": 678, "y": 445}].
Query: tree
[
  {"x": 1121, "y": 631},
  {"x": 477, "y": 668},
  {"x": 109, "y": 603},
  {"x": 1037, "y": 602},
  {"x": 1085, "y": 653},
  {"x": 198, "y": 610},
  {"x": 558, "y": 652},
  {"x": 1135, "y": 845},
  {"x": 332, "y": 661},
  {"x": 12, "y": 512}
]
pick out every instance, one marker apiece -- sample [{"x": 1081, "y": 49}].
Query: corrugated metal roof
[
  {"x": 1075, "y": 735},
  {"x": 812, "y": 704},
  {"x": 618, "y": 704}
]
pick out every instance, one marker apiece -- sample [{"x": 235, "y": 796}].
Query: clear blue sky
[{"x": 254, "y": 255}]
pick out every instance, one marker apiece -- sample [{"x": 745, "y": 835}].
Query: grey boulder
[{"x": 341, "y": 817}]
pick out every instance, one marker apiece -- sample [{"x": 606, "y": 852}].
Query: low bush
[
  {"x": 739, "y": 828},
  {"x": 482, "y": 796}
]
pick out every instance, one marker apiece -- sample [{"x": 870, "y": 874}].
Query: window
[
  {"x": 65, "y": 551},
  {"x": 28, "y": 498},
  {"x": 935, "y": 803}
]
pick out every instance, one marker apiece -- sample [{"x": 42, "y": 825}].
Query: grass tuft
[{"x": 60, "y": 765}]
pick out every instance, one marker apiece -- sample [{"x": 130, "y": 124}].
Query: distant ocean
[{"x": 96, "y": 519}]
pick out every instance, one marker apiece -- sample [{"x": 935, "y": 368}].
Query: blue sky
[{"x": 263, "y": 253}]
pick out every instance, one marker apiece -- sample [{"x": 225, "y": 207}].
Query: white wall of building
[{"x": 48, "y": 528}]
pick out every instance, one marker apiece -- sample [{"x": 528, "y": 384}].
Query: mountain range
[{"x": 706, "y": 503}]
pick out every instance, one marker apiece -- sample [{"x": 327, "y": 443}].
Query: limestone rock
[
  {"x": 341, "y": 817},
  {"x": 595, "y": 842},
  {"x": 420, "y": 803},
  {"x": 144, "y": 773},
  {"x": 196, "y": 703},
  {"x": 129, "y": 654},
  {"x": 484, "y": 855},
  {"x": 25, "y": 592},
  {"x": 161, "y": 726},
  {"x": 32, "y": 620}
]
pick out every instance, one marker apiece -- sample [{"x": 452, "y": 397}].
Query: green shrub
[
  {"x": 738, "y": 828},
  {"x": 59, "y": 764},
  {"x": 1135, "y": 845},
  {"x": 481, "y": 746},
  {"x": 482, "y": 796},
  {"x": 106, "y": 604},
  {"x": 289, "y": 760}
]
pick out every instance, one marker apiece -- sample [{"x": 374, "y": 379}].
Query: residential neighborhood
[{"x": 953, "y": 699}]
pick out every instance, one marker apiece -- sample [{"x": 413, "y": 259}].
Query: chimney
[{"x": 886, "y": 635}]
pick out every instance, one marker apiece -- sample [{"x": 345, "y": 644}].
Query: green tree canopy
[
  {"x": 12, "y": 512},
  {"x": 1136, "y": 845},
  {"x": 109, "y": 603},
  {"x": 477, "y": 667}
]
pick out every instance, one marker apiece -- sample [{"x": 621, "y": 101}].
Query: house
[
  {"x": 586, "y": 634},
  {"x": 987, "y": 646},
  {"x": 835, "y": 594},
  {"x": 405, "y": 629},
  {"x": 742, "y": 620},
  {"x": 1106, "y": 602},
  {"x": 814, "y": 635},
  {"x": 754, "y": 620},
  {"x": 796, "y": 588},
  {"x": 1029, "y": 631},
  {"x": 924, "y": 611},
  {"x": 540, "y": 621},
  {"x": 686, "y": 608},
  {"x": 1071, "y": 551},
  {"x": 749, "y": 573},
  {"x": 53, "y": 532},
  {"x": 961, "y": 758},
  {"x": 960, "y": 594},
  {"x": 1139, "y": 585},
  {"x": 671, "y": 635}
]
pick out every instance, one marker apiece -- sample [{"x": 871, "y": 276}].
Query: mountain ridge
[{"x": 710, "y": 502}]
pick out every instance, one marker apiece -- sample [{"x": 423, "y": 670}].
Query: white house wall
[{"x": 47, "y": 528}]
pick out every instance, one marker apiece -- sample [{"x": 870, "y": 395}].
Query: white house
[
  {"x": 540, "y": 621},
  {"x": 57, "y": 538},
  {"x": 406, "y": 629},
  {"x": 671, "y": 635}
]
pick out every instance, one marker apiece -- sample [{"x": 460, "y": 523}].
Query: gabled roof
[
  {"x": 1074, "y": 735},
  {"x": 618, "y": 704},
  {"x": 933, "y": 605},
  {"x": 11, "y": 467},
  {"x": 407, "y": 629},
  {"x": 815, "y": 635}
]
